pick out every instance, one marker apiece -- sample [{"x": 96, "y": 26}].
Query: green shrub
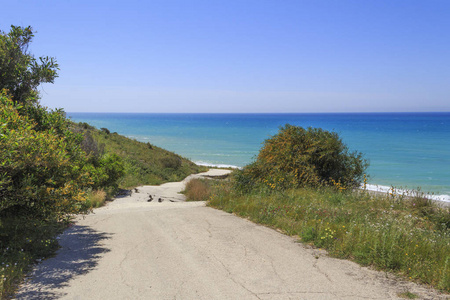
[
  {"x": 105, "y": 130},
  {"x": 24, "y": 241},
  {"x": 171, "y": 162},
  {"x": 90, "y": 146},
  {"x": 297, "y": 157},
  {"x": 41, "y": 172}
]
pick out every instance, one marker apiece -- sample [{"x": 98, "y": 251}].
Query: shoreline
[
  {"x": 210, "y": 165},
  {"x": 441, "y": 199},
  {"x": 444, "y": 199}
]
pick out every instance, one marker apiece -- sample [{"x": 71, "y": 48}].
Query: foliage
[
  {"x": 20, "y": 72},
  {"x": 171, "y": 162},
  {"x": 407, "y": 235},
  {"x": 143, "y": 163},
  {"x": 41, "y": 171},
  {"x": 297, "y": 157},
  {"x": 105, "y": 171}
]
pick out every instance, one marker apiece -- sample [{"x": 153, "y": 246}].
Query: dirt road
[{"x": 135, "y": 249}]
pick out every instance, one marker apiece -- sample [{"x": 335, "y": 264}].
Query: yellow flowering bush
[
  {"x": 297, "y": 157},
  {"x": 41, "y": 171}
]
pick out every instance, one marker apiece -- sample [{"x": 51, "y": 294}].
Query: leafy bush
[
  {"x": 171, "y": 162},
  {"x": 90, "y": 146},
  {"x": 41, "y": 172},
  {"x": 106, "y": 171},
  {"x": 105, "y": 130},
  {"x": 297, "y": 157},
  {"x": 24, "y": 241}
]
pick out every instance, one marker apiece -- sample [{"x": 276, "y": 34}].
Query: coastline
[
  {"x": 442, "y": 199},
  {"x": 405, "y": 150},
  {"x": 220, "y": 166}
]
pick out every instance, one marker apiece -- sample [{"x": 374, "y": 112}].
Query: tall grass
[
  {"x": 96, "y": 198},
  {"x": 198, "y": 189},
  {"x": 409, "y": 236}
]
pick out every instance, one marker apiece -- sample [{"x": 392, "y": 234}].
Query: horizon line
[{"x": 262, "y": 113}]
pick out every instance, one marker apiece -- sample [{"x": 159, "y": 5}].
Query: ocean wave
[
  {"x": 207, "y": 164},
  {"x": 387, "y": 189}
]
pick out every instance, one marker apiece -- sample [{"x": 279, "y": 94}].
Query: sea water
[{"x": 405, "y": 150}]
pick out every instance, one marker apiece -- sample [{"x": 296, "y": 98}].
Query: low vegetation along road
[{"x": 166, "y": 248}]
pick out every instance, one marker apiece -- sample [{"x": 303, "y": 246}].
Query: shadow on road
[{"x": 81, "y": 249}]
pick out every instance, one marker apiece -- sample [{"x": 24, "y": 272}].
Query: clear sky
[{"x": 241, "y": 55}]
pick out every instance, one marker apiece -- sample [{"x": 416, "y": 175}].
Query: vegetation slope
[{"x": 143, "y": 163}]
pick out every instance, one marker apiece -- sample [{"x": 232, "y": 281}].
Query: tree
[
  {"x": 20, "y": 72},
  {"x": 297, "y": 157}
]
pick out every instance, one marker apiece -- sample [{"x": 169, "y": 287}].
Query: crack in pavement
[
  {"x": 234, "y": 280},
  {"x": 209, "y": 228},
  {"x": 320, "y": 271}
]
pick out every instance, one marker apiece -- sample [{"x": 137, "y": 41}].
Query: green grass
[
  {"x": 407, "y": 236},
  {"x": 145, "y": 164},
  {"x": 408, "y": 295}
]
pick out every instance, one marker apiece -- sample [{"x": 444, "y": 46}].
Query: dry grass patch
[
  {"x": 198, "y": 190},
  {"x": 96, "y": 198}
]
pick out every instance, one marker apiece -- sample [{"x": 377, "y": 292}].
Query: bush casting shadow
[{"x": 81, "y": 249}]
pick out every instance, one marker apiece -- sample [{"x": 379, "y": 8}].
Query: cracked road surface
[{"x": 135, "y": 249}]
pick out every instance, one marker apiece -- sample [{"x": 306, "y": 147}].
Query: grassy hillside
[{"x": 144, "y": 164}]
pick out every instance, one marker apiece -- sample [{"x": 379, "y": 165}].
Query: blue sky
[{"x": 241, "y": 56}]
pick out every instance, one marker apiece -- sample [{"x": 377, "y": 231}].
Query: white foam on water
[
  {"x": 207, "y": 164},
  {"x": 387, "y": 189}
]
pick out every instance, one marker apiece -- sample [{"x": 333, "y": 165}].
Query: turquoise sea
[{"x": 405, "y": 150}]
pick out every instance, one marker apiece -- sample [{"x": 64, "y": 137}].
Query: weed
[
  {"x": 96, "y": 198},
  {"x": 197, "y": 190},
  {"x": 408, "y": 295}
]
